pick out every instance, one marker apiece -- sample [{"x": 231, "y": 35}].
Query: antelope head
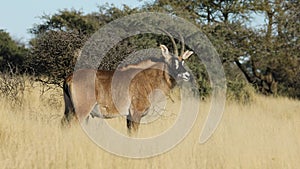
[{"x": 175, "y": 61}]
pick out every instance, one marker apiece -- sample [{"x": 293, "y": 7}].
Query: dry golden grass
[{"x": 264, "y": 134}]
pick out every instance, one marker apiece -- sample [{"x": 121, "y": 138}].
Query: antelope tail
[{"x": 69, "y": 113}]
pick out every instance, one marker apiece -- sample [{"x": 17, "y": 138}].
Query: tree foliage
[
  {"x": 53, "y": 55},
  {"x": 12, "y": 53},
  {"x": 266, "y": 58}
]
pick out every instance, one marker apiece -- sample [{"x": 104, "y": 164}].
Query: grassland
[{"x": 264, "y": 134}]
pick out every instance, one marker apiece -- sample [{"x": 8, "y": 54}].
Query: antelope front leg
[{"x": 133, "y": 122}]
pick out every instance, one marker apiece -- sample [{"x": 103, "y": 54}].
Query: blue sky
[{"x": 17, "y": 16}]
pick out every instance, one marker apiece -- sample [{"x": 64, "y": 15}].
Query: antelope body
[{"x": 90, "y": 92}]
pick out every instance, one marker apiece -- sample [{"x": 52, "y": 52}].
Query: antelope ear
[
  {"x": 187, "y": 54},
  {"x": 165, "y": 51}
]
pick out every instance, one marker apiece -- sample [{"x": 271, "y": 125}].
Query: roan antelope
[{"x": 91, "y": 94}]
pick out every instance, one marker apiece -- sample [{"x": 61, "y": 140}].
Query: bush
[
  {"x": 53, "y": 55},
  {"x": 240, "y": 91},
  {"x": 12, "y": 86}
]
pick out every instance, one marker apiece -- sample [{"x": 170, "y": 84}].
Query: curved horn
[
  {"x": 173, "y": 41},
  {"x": 182, "y": 44}
]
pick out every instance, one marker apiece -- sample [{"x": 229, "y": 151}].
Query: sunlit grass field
[{"x": 261, "y": 135}]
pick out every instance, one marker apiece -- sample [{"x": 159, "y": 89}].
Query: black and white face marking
[
  {"x": 178, "y": 69},
  {"x": 175, "y": 63}
]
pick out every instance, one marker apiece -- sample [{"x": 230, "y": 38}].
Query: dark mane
[{"x": 144, "y": 64}]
